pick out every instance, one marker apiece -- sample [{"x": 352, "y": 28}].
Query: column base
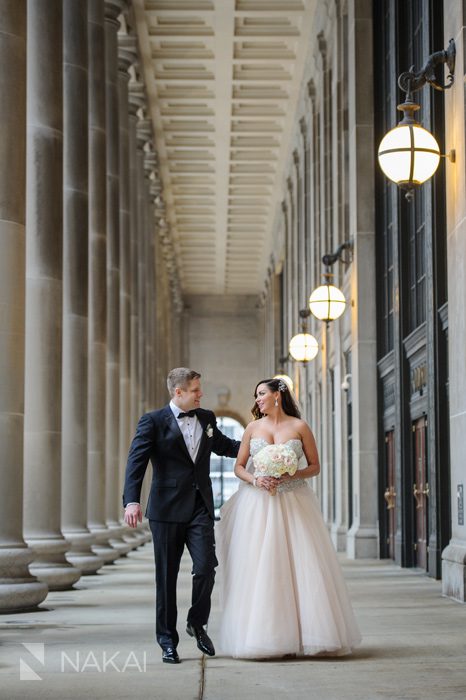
[
  {"x": 362, "y": 543},
  {"x": 19, "y": 591},
  {"x": 136, "y": 537},
  {"x": 87, "y": 562},
  {"x": 101, "y": 547},
  {"x": 133, "y": 539},
  {"x": 338, "y": 533},
  {"x": 80, "y": 554},
  {"x": 120, "y": 545},
  {"x": 116, "y": 532},
  {"x": 105, "y": 552},
  {"x": 50, "y": 565},
  {"x": 454, "y": 571}
]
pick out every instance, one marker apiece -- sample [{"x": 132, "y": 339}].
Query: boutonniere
[{"x": 209, "y": 431}]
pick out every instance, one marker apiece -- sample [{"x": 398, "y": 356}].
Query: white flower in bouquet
[{"x": 275, "y": 461}]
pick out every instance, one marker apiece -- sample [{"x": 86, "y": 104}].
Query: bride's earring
[{"x": 276, "y": 403}]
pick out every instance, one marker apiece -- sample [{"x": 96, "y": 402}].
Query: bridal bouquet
[{"x": 275, "y": 460}]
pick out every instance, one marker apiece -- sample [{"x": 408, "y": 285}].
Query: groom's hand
[{"x": 133, "y": 515}]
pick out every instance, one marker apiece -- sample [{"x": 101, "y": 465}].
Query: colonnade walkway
[{"x": 96, "y": 641}]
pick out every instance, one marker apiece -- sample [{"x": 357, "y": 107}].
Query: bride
[{"x": 281, "y": 587}]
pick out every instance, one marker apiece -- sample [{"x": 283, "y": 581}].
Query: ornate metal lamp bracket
[
  {"x": 330, "y": 258},
  {"x": 409, "y": 81}
]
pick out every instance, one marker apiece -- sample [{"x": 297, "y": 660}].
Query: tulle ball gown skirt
[{"x": 281, "y": 587}]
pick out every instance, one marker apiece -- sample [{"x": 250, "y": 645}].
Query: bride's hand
[
  {"x": 267, "y": 482},
  {"x": 284, "y": 478}
]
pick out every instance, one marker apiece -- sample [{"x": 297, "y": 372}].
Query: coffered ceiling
[{"x": 223, "y": 79}]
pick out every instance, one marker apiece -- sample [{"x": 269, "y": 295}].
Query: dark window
[
  {"x": 414, "y": 20},
  {"x": 332, "y": 409},
  {"x": 417, "y": 264},
  {"x": 349, "y": 444}
]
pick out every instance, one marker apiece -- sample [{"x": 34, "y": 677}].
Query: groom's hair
[{"x": 180, "y": 377}]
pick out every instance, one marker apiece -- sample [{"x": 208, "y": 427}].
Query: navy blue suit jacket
[{"x": 175, "y": 476}]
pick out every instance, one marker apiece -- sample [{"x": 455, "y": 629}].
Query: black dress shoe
[
  {"x": 170, "y": 656},
  {"x": 204, "y": 642}
]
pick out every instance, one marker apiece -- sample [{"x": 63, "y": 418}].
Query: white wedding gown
[{"x": 281, "y": 586}]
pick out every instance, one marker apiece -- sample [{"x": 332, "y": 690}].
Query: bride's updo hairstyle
[{"x": 289, "y": 405}]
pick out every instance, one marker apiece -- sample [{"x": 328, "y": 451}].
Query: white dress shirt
[{"x": 191, "y": 429}]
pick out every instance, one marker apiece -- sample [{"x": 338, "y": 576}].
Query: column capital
[
  {"x": 113, "y": 9},
  {"x": 136, "y": 96},
  {"x": 261, "y": 300},
  {"x": 159, "y": 204},
  {"x": 303, "y": 127},
  {"x": 171, "y": 267},
  {"x": 322, "y": 44},
  {"x": 155, "y": 188},
  {"x": 342, "y": 7},
  {"x": 127, "y": 53},
  {"x": 150, "y": 160},
  {"x": 143, "y": 132}
]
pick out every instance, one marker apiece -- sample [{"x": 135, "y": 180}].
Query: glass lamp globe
[
  {"x": 409, "y": 155},
  {"x": 303, "y": 347},
  {"x": 327, "y": 302},
  {"x": 288, "y": 381}
]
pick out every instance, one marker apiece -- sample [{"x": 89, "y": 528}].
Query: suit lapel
[
  {"x": 204, "y": 439},
  {"x": 174, "y": 429}
]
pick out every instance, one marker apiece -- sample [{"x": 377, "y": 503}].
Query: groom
[{"x": 178, "y": 440}]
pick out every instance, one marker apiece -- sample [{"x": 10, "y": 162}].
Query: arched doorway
[{"x": 224, "y": 481}]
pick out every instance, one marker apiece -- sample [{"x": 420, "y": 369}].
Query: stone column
[
  {"x": 153, "y": 294},
  {"x": 18, "y": 589},
  {"x": 75, "y": 292},
  {"x": 144, "y": 271},
  {"x": 454, "y": 554},
  {"x": 97, "y": 284},
  {"x": 136, "y": 100},
  {"x": 125, "y": 59},
  {"x": 113, "y": 501},
  {"x": 135, "y": 97},
  {"x": 150, "y": 162},
  {"x": 143, "y": 133},
  {"x": 363, "y": 536},
  {"x": 44, "y": 226},
  {"x": 160, "y": 394}
]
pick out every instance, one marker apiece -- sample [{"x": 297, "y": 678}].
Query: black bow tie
[{"x": 188, "y": 413}]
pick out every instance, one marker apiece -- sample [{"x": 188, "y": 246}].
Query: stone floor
[{"x": 96, "y": 642}]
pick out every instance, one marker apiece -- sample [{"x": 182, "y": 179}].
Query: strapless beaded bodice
[{"x": 257, "y": 444}]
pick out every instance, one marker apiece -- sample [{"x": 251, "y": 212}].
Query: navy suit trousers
[{"x": 169, "y": 542}]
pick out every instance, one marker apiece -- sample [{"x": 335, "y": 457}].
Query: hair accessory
[{"x": 281, "y": 385}]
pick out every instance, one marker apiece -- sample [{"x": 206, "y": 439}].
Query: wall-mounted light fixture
[
  {"x": 327, "y": 302},
  {"x": 409, "y": 154},
  {"x": 345, "y": 385},
  {"x": 303, "y": 346}
]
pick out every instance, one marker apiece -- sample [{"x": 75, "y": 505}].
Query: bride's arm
[
  {"x": 311, "y": 453},
  {"x": 242, "y": 459},
  {"x": 240, "y": 465}
]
